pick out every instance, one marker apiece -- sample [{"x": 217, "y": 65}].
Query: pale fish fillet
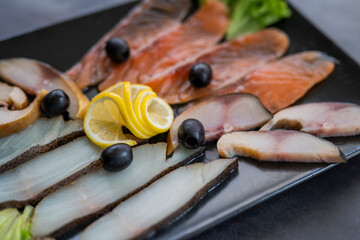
[
  {"x": 31, "y": 181},
  {"x": 279, "y": 145},
  {"x": 42, "y": 136},
  {"x": 158, "y": 204},
  {"x": 32, "y": 76},
  {"x": 99, "y": 191},
  {"x": 324, "y": 119},
  {"x": 223, "y": 114},
  {"x": 142, "y": 26}
]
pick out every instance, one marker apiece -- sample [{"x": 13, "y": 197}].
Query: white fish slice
[
  {"x": 100, "y": 191},
  {"x": 161, "y": 202},
  {"x": 324, "y": 119},
  {"x": 279, "y": 145},
  {"x": 31, "y": 181},
  {"x": 42, "y": 136},
  {"x": 220, "y": 115}
]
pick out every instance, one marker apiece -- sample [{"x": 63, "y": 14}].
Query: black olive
[
  {"x": 118, "y": 50},
  {"x": 191, "y": 133},
  {"x": 55, "y": 103},
  {"x": 116, "y": 157},
  {"x": 200, "y": 75}
]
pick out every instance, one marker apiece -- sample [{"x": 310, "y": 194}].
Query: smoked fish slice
[
  {"x": 282, "y": 83},
  {"x": 147, "y": 22},
  {"x": 230, "y": 61},
  {"x": 200, "y": 32}
]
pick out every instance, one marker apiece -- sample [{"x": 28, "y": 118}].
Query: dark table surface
[{"x": 325, "y": 207}]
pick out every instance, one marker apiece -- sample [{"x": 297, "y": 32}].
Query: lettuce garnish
[{"x": 249, "y": 16}]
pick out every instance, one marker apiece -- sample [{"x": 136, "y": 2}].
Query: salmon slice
[
  {"x": 143, "y": 25},
  {"x": 201, "y": 32},
  {"x": 229, "y": 62},
  {"x": 283, "y": 82}
]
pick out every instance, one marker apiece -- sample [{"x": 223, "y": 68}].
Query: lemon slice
[
  {"x": 137, "y": 108},
  {"x": 104, "y": 120},
  {"x": 127, "y": 96},
  {"x": 157, "y": 113},
  {"x": 117, "y": 88}
]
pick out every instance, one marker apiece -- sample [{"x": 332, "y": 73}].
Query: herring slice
[
  {"x": 30, "y": 182},
  {"x": 223, "y": 114},
  {"x": 279, "y": 145},
  {"x": 161, "y": 202},
  {"x": 99, "y": 191},
  {"x": 324, "y": 119},
  {"x": 42, "y": 136},
  {"x": 32, "y": 76}
]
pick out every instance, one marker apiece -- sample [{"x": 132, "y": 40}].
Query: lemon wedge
[
  {"x": 104, "y": 120},
  {"x": 157, "y": 113}
]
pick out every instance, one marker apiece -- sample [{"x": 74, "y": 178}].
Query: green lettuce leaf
[{"x": 249, "y": 16}]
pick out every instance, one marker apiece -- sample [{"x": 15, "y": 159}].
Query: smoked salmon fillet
[
  {"x": 229, "y": 62},
  {"x": 282, "y": 83},
  {"x": 199, "y": 33},
  {"x": 143, "y": 25}
]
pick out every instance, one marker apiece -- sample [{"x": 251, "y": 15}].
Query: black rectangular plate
[{"x": 63, "y": 44}]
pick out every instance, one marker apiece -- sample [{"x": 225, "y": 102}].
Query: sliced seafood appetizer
[
  {"x": 32, "y": 76},
  {"x": 282, "y": 83},
  {"x": 31, "y": 181},
  {"x": 279, "y": 146},
  {"x": 223, "y": 114},
  {"x": 13, "y": 121},
  {"x": 163, "y": 201},
  {"x": 324, "y": 119},
  {"x": 142, "y": 26},
  {"x": 40, "y": 137},
  {"x": 200, "y": 32},
  {"x": 12, "y": 97},
  {"x": 100, "y": 191},
  {"x": 229, "y": 62}
]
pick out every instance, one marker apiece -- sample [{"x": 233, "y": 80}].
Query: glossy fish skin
[
  {"x": 42, "y": 136},
  {"x": 100, "y": 191},
  {"x": 31, "y": 181},
  {"x": 229, "y": 61},
  {"x": 282, "y": 83},
  {"x": 324, "y": 119},
  {"x": 280, "y": 146},
  {"x": 32, "y": 76},
  {"x": 199, "y": 33},
  {"x": 161, "y": 202},
  {"x": 147, "y": 22},
  {"x": 220, "y": 115}
]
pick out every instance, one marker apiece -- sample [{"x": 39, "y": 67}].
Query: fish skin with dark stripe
[
  {"x": 104, "y": 190},
  {"x": 42, "y": 136},
  {"x": 29, "y": 182},
  {"x": 160, "y": 203}
]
